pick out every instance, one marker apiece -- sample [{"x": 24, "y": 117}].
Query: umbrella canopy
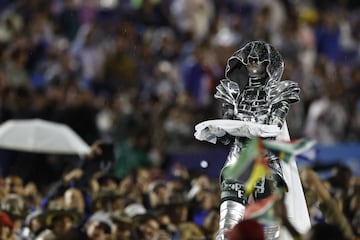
[{"x": 40, "y": 136}]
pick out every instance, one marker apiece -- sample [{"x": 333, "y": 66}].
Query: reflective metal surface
[{"x": 253, "y": 91}]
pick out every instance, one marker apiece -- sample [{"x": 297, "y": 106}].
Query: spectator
[
  {"x": 69, "y": 19},
  {"x": 148, "y": 227},
  {"x": 141, "y": 74},
  {"x": 133, "y": 153},
  {"x": 328, "y": 205},
  {"x": 178, "y": 209},
  {"x": 120, "y": 68},
  {"x": 190, "y": 231},
  {"x": 14, "y": 185},
  {"x": 6, "y": 226},
  {"x": 159, "y": 194},
  {"x": 328, "y": 34},
  {"x": 16, "y": 69},
  {"x": 74, "y": 200},
  {"x": 324, "y": 231},
  {"x": 123, "y": 226},
  {"x": 61, "y": 223},
  {"x": 203, "y": 207},
  {"x": 210, "y": 224},
  {"x": 326, "y": 119},
  {"x": 108, "y": 200},
  {"x": 98, "y": 227},
  {"x": 13, "y": 205},
  {"x": 34, "y": 224}
]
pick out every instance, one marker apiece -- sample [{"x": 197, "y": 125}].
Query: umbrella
[{"x": 41, "y": 136}]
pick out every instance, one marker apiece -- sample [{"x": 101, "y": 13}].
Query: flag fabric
[
  {"x": 252, "y": 159},
  {"x": 251, "y": 164},
  {"x": 262, "y": 210},
  {"x": 287, "y": 150},
  {"x": 244, "y": 161},
  {"x": 260, "y": 169}
]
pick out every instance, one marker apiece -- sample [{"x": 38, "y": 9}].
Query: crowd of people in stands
[
  {"x": 146, "y": 204},
  {"x": 140, "y": 74}
]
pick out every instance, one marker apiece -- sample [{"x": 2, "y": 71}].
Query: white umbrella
[{"x": 40, "y": 136}]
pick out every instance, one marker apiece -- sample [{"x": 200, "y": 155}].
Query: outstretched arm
[
  {"x": 328, "y": 204},
  {"x": 281, "y": 212}
]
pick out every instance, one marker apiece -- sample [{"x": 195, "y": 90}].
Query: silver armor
[{"x": 252, "y": 91}]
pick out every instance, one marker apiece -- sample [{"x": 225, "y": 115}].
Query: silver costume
[{"x": 252, "y": 91}]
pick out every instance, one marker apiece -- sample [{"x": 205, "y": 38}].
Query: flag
[
  {"x": 244, "y": 161},
  {"x": 250, "y": 165},
  {"x": 287, "y": 150},
  {"x": 262, "y": 210},
  {"x": 260, "y": 169}
]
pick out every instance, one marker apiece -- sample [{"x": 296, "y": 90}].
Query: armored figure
[{"x": 252, "y": 92}]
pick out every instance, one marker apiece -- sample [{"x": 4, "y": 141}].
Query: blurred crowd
[
  {"x": 141, "y": 74},
  {"x": 147, "y": 205}
]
